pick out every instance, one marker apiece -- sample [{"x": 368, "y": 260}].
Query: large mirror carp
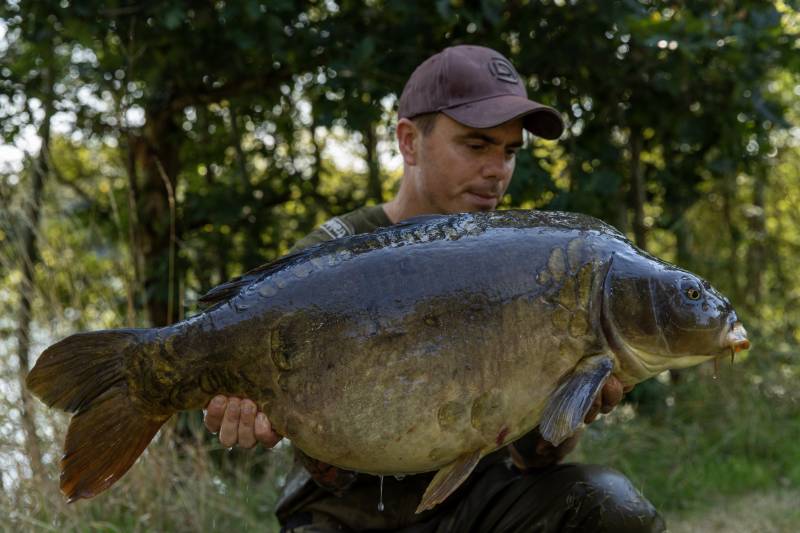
[{"x": 422, "y": 346}]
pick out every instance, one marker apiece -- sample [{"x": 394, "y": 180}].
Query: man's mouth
[{"x": 483, "y": 198}]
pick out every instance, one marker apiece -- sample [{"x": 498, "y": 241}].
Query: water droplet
[
  {"x": 400, "y": 477},
  {"x": 380, "y": 501}
]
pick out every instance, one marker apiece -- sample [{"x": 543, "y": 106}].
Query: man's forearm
[{"x": 532, "y": 451}]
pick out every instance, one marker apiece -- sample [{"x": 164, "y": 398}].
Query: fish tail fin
[
  {"x": 85, "y": 374},
  {"x": 103, "y": 442}
]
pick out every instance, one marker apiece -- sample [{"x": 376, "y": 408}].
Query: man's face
[{"x": 463, "y": 169}]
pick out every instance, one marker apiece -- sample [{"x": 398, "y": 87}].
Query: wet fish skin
[{"x": 418, "y": 347}]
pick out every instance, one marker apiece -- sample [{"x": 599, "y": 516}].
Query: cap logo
[{"x": 502, "y": 70}]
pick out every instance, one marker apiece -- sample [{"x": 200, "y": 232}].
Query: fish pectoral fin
[
  {"x": 573, "y": 398},
  {"x": 448, "y": 479}
]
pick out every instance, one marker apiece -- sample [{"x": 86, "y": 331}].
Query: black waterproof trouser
[{"x": 563, "y": 498}]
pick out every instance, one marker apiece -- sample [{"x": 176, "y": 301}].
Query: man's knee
[{"x": 602, "y": 499}]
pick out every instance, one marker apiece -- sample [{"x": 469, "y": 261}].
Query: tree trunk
[
  {"x": 621, "y": 202},
  {"x": 157, "y": 167},
  {"x": 683, "y": 254},
  {"x": 134, "y": 284},
  {"x": 621, "y": 215},
  {"x": 28, "y": 259},
  {"x": 316, "y": 169},
  {"x": 735, "y": 234},
  {"x": 236, "y": 140},
  {"x": 129, "y": 148},
  {"x": 374, "y": 184},
  {"x": 637, "y": 189},
  {"x": 218, "y": 254},
  {"x": 757, "y": 247}
]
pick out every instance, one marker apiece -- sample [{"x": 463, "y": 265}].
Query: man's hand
[
  {"x": 533, "y": 451},
  {"x": 607, "y": 399},
  {"x": 239, "y": 422}
]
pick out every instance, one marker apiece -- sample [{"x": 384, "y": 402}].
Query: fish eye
[
  {"x": 692, "y": 293},
  {"x": 691, "y": 289}
]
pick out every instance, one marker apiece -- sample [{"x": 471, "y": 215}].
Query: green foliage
[
  {"x": 194, "y": 141},
  {"x": 239, "y": 113}
]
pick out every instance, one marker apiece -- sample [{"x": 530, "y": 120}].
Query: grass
[
  {"x": 774, "y": 511},
  {"x": 705, "y": 442},
  {"x": 196, "y": 487}
]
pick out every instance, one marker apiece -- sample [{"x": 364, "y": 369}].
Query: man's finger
[
  {"x": 214, "y": 412},
  {"x": 264, "y": 432},
  {"x": 247, "y": 419},
  {"x": 612, "y": 394},
  {"x": 543, "y": 447},
  {"x": 229, "y": 432}
]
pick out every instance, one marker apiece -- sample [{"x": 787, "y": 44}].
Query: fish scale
[{"x": 422, "y": 346}]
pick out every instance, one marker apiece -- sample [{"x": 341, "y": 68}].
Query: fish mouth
[{"x": 736, "y": 338}]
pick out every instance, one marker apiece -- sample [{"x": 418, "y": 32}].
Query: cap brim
[{"x": 539, "y": 119}]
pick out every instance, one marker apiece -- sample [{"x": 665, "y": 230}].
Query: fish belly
[{"x": 415, "y": 394}]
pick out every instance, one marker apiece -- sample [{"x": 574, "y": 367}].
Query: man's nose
[{"x": 496, "y": 166}]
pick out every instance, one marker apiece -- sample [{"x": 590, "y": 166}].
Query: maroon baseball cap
[{"x": 477, "y": 87}]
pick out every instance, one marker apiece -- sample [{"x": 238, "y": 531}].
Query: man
[{"x": 460, "y": 125}]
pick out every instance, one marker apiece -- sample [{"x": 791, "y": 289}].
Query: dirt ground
[{"x": 770, "y": 512}]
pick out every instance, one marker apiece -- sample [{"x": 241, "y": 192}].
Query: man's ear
[{"x": 408, "y": 139}]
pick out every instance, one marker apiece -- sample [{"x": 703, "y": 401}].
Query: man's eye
[{"x": 475, "y": 146}]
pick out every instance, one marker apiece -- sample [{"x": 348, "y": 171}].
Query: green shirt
[{"x": 362, "y": 220}]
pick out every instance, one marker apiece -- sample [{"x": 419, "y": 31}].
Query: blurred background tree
[{"x": 156, "y": 149}]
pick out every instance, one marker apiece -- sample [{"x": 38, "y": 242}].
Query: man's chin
[{"x": 477, "y": 202}]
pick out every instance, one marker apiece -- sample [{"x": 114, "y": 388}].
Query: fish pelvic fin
[
  {"x": 84, "y": 374},
  {"x": 573, "y": 398},
  {"x": 447, "y": 480}
]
